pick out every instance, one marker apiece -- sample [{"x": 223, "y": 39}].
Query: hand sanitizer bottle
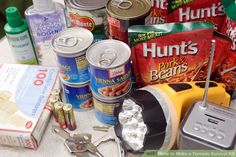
[{"x": 46, "y": 18}]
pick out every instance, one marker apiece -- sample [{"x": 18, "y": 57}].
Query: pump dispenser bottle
[
  {"x": 46, "y": 18},
  {"x": 19, "y": 38}
]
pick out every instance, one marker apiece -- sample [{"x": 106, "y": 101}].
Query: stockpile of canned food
[
  {"x": 161, "y": 53},
  {"x": 114, "y": 47}
]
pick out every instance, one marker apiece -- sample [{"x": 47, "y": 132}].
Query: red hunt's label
[
  {"x": 175, "y": 54},
  {"x": 196, "y": 10},
  {"x": 170, "y": 50},
  {"x": 158, "y": 13}
]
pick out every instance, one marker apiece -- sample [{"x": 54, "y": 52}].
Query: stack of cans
[
  {"x": 70, "y": 47},
  {"x": 110, "y": 76},
  {"x": 63, "y": 113}
]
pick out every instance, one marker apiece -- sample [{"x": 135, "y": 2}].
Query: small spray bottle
[{"x": 19, "y": 38}]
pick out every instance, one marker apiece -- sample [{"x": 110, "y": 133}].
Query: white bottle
[{"x": 45, "y": 18}]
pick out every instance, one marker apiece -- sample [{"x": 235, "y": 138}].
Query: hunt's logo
[
  {"x": 185, "y": 48},
  {"x": 82, "y": 21},
  {"x": 190, "y": 14}
]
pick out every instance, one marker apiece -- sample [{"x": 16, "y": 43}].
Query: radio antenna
[{"x": 213, "y": 44}]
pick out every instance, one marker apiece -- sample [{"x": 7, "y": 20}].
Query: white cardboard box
[{"x": 24, "y": 112}]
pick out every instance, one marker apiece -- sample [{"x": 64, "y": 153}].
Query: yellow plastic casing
[{"x": 182, "y": 100}]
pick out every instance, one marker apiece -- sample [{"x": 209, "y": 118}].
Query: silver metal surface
[
  {"x": 108, "y": 54},
  {"x": 111, "y": 136},
  {"x": 133, "y": 127},
  {"x": 87, "y": 4},
  {"x": 204, "y": 104},
  {"x": 60, "y": 132},
  {"x": 93, "y": 149},
  {"x": 213, "y": 127},
  {"x": 72, "y": 42}
]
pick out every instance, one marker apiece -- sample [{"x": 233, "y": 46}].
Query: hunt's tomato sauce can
[
  {"x": 124, "y": 13},
  {"x": 88, "y": 14},
  {"x": 110, "y": 68}
]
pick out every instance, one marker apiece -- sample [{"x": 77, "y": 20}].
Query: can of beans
[
  {"x": 121, "y": 14},
  {"x": 104, "y": 108},
  {"x": 79, "y": 95},
  {"x": 69, "y": 116},
  {"x": 60, "y": 114},
  {"x": 70, "y": 46},
  {"x": 110, "y": 68},
  {"x": 88, "y": 14}
]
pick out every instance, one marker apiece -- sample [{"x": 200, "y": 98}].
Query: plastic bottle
[
  {"x": 46, "y": 18},
  {"x": 18, "y": 36}
]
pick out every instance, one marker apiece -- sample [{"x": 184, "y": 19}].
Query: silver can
[
  {"x": 88, "y": 14},
  {"x": 110, "y": 68},
  {"x": 70, "y": 46}
]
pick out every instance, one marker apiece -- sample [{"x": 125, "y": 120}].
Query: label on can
[
  {"x": 94, "y": 21},
  {"x": 105, "y": 107},
  {"x": 79, "y": 96},
  {"x": 22, "y": 47},
  {"x": 73, "y": 69},
  {"x": 107, "y": 119},
  {"x": 118, "y": 29},
  {"x": 111, "y": 82}
]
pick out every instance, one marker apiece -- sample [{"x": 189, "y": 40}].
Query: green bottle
[{"x": 18, "y": 36}]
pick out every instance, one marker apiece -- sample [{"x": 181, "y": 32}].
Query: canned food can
[
  {"x": 60, "y": 114},
  {"x": 70, "y": 46},
  {"x": 69, "y": 116},
  {"x": 124, "y": 13},
  {"x": 79, "y": 95},
  {"x": 104, "y": 108},
  {"x": 110, "y": 68},
  {"x": 88, "y": 14},
  {"x": 53, "y": 100},
  {"x": 106, "y": 119}
]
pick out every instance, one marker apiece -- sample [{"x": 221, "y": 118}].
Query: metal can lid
[
  {"x": 128, "y": 9},
  {"x": 67, "y": 107},
  {"x": 72, "y": 41},
  {"x": 87, "y": 4},
  {"x": 107, "y": 54}
]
